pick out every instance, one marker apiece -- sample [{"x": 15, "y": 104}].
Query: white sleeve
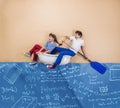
[{"x": 72, "y": 38}]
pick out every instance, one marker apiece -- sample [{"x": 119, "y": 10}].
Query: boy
[{"x": 77, "y": 45}]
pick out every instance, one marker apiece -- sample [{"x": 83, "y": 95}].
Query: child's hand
[
  {"x": 85, "y": 57},
  {"x": 67, "y": 37},
  {"x": 47, "y": 52},
  {"x": 63, "y": 39}
]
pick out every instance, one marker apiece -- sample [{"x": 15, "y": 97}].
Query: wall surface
[{"x": 26, "y": 22}]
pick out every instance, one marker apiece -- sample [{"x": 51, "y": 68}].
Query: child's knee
[
  {"x": 62, "y": 53},
  {"x": 37, "y": 45}
]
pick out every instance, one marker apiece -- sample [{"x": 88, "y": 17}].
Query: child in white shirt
[{"x": 77, "y": 45}]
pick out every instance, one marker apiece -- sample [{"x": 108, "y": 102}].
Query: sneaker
[
  {"x": 27, "y": 54},
  {"x": 51, "y": 66},
  {"x": 33, "y": 63}
]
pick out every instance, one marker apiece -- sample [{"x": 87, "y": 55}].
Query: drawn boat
[{"x": 51, "y": 58}]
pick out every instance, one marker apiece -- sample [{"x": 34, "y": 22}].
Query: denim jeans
[{"x": 62, "y": 52}]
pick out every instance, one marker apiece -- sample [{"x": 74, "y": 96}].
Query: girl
[
  {"x": 77, "y": 45},
  {"x": 49, "y": 46}
]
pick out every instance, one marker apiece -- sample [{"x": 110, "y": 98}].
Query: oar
[{"x": 94, "y": 64}]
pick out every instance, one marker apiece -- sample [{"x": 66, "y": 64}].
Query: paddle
[{"x": 94, "y": 64}]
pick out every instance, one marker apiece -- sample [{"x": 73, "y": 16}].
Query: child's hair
[
  {"x": 79, "y": 33},
  {"x": 55, "y": 38}
]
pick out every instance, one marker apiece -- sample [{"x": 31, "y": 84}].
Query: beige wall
[{"x": 26, "y": 22}]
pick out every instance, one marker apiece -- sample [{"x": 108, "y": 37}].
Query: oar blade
[{"x": 98, "y": 67}]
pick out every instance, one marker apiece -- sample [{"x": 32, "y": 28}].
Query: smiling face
[
  {"x": 77, "y": 36},
  {"x": 51, "y": 39}
]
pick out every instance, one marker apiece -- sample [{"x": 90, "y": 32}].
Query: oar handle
[
  {"x": 78, "y": 52},
  {"x": 84, "y": 57}
]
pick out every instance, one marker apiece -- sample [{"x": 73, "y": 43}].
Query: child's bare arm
[
  {"x": 64, "y": 38},
  {"x": 82, "y": 49}
]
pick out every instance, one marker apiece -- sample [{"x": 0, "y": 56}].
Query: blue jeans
[{"x": 62, "y": 51}]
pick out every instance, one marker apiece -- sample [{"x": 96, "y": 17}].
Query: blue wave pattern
[{"x": 68, "y": 86}]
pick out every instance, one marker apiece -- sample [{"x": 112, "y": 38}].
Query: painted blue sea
[{"x": 68, "y": 86}]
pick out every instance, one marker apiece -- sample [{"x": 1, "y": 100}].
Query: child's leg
[
  {"x": 35, "y": 50},
  {"x": 35, "y": 56},
  {"x": 35, "y": 47},
  {"x": 57, "y": 49},
  {"x": 65, "y": 52}
]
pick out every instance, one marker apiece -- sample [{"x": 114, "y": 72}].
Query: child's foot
[
  {"x": 33, "y": 63},
  {"x": 27, "y": 54},
  {"x": 51, "y": 66}
]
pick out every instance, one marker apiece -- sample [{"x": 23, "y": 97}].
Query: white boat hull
[{"x": 51, "y": 58}]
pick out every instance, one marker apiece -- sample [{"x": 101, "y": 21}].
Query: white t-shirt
[{"x": 76, "y": 44}]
